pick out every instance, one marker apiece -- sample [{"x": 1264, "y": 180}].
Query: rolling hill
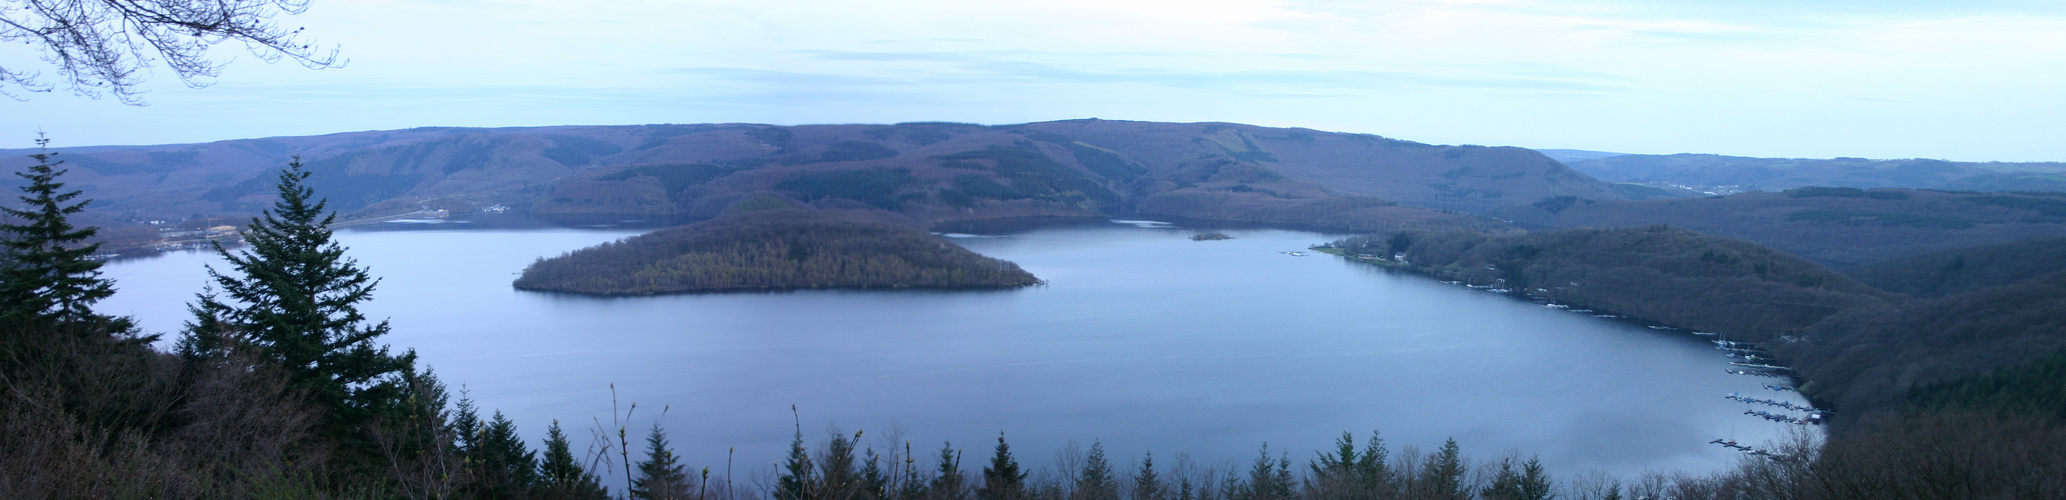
[
  {"x": 1838, "y": 227},
  {"x": 1723, "y": 174},
  {"x": 925, "y": 172}
]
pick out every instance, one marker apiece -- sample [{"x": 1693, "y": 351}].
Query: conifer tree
[
  {"x": 837, "y": 477},
  {"x": 561, "y": 477},
  {"x": 795, "y": 480},
  {"x": 913, "y": 487},
  {"x": 294, "y": 299},
  {"x": 1002, "y": 479},
  {"x": 1269, "y": 479},
  {"x": 48, "y": 271},
  {"x": 502, "y": 466},
  {"x": 1535, "y": 483},
  {"x": 949, "y": 484},
  {"x": 1147, "y": 485},
  {"x": 1442, "y": 476},
  {"x": 1515, "y": 480},
  {"x": 466, "y": 420},
  {"x": 875, "y": 484},
  {"x": 1097, "y": 481},
  {"x": 660, "y": 476},
  {"x": 1376, "y": 476},
  {"x": 1506, "y": 482},
  {"x": 1348, "y": 473}
]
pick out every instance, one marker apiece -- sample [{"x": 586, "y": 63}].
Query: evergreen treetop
[
  {"x": 49, "y": 271},
  {"x": 1097, "y": 481},
  {"x": 1002, "y": 479},
  {"x": 293, "y": 300},
  {"x": 1147, "y": 485},
  {"x": 502, "y": 466},
  {"x": 797, "y": 475},
  {"x": 948, "y": 484},
  {"x": 561, "y": 475},
  {"x": 661, "y": 476},
  {"x": 1442, "y": 475}
]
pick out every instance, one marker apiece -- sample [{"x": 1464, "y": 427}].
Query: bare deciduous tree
[{"x": 108, "y": 46}]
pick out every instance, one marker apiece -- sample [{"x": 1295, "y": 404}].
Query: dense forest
[
  {"x": 778, "y": 249},
  {"x": 1950, "y": 388},
  {"x": 1706, "y": 170},
  {"x": 1835, "y": 227},
  {"x": 1973, "y": 311},
  {"x": 1740, "y": 289}
]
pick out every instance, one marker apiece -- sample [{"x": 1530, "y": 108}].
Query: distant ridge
[
  {"x": 1774, "y": 174},
  {"x": 1570, "y": 155},
  {"x": 927, "y": 172}
]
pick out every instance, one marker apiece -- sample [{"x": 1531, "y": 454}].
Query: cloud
[{"x": 1740, "y": 77}]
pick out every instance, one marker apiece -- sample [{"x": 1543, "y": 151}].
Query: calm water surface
[{"x": 1143, "y": 340}]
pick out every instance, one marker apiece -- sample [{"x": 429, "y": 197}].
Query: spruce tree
[
  {"x": 1506, "y": 482},
  {"x": 1002, "y": 479},
  {"x": 837, "y": 477},
  {"x": 1147, "y": 485},
  {"x": 1269, "y": 479},
  {"x": 796, "y": 477},
  {"x": 1535, "y": 482},
  {"x": 949, "y": 484},
  {"x": 1375, "y": 477},
  {"x": 502, "y": 466},
  {"x": 913, "y": 487},
  {"x": 1097, "y": 482},
  {"x": 875, "y": 483},
  {"x": 49, "y": 273},
  {"x": 660, "y": 476},
  {"x": 561, "y": 477},
  {"x": 294, "y": 299},
  {"x": 1442, "y": 476},
  {"x": 1515, "y": 480}
]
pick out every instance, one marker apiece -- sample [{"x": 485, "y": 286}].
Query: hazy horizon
[{"x": 1971, "y": 82}]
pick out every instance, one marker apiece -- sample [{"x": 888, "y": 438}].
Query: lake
[{"x": 1142, "y": 340}]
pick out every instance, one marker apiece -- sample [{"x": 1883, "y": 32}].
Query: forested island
[{"x": 778, "y": 249}]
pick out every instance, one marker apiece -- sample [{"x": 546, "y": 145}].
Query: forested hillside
[
  {"x": 1971, "y": 364},
  {"x": 1977, "y": 310},
  {"x": 1838, "y": 227},
  {"x": 1679, "y": 277},
  {"x": 775, "y": 249},
  {"x": 1774, "y": 174},
  {"x": 1962, "y": 270},
  {"x": 928, "y": 172}
]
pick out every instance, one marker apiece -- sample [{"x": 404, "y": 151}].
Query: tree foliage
[
  {"x": 50, "y": 274},
  {"x": 772, "y": 250},
  {"x": 293, "y": 298},
  {"x": 561, "y": 476},
  {"x": 1678, "y": 277},
  {"x": 660, "y": 476},
  {"x": 106, "y": 46},
  {"x": 1002, "y": 479}
]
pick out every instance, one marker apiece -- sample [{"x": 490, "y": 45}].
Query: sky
[{"x": 1972, "y": 80}]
